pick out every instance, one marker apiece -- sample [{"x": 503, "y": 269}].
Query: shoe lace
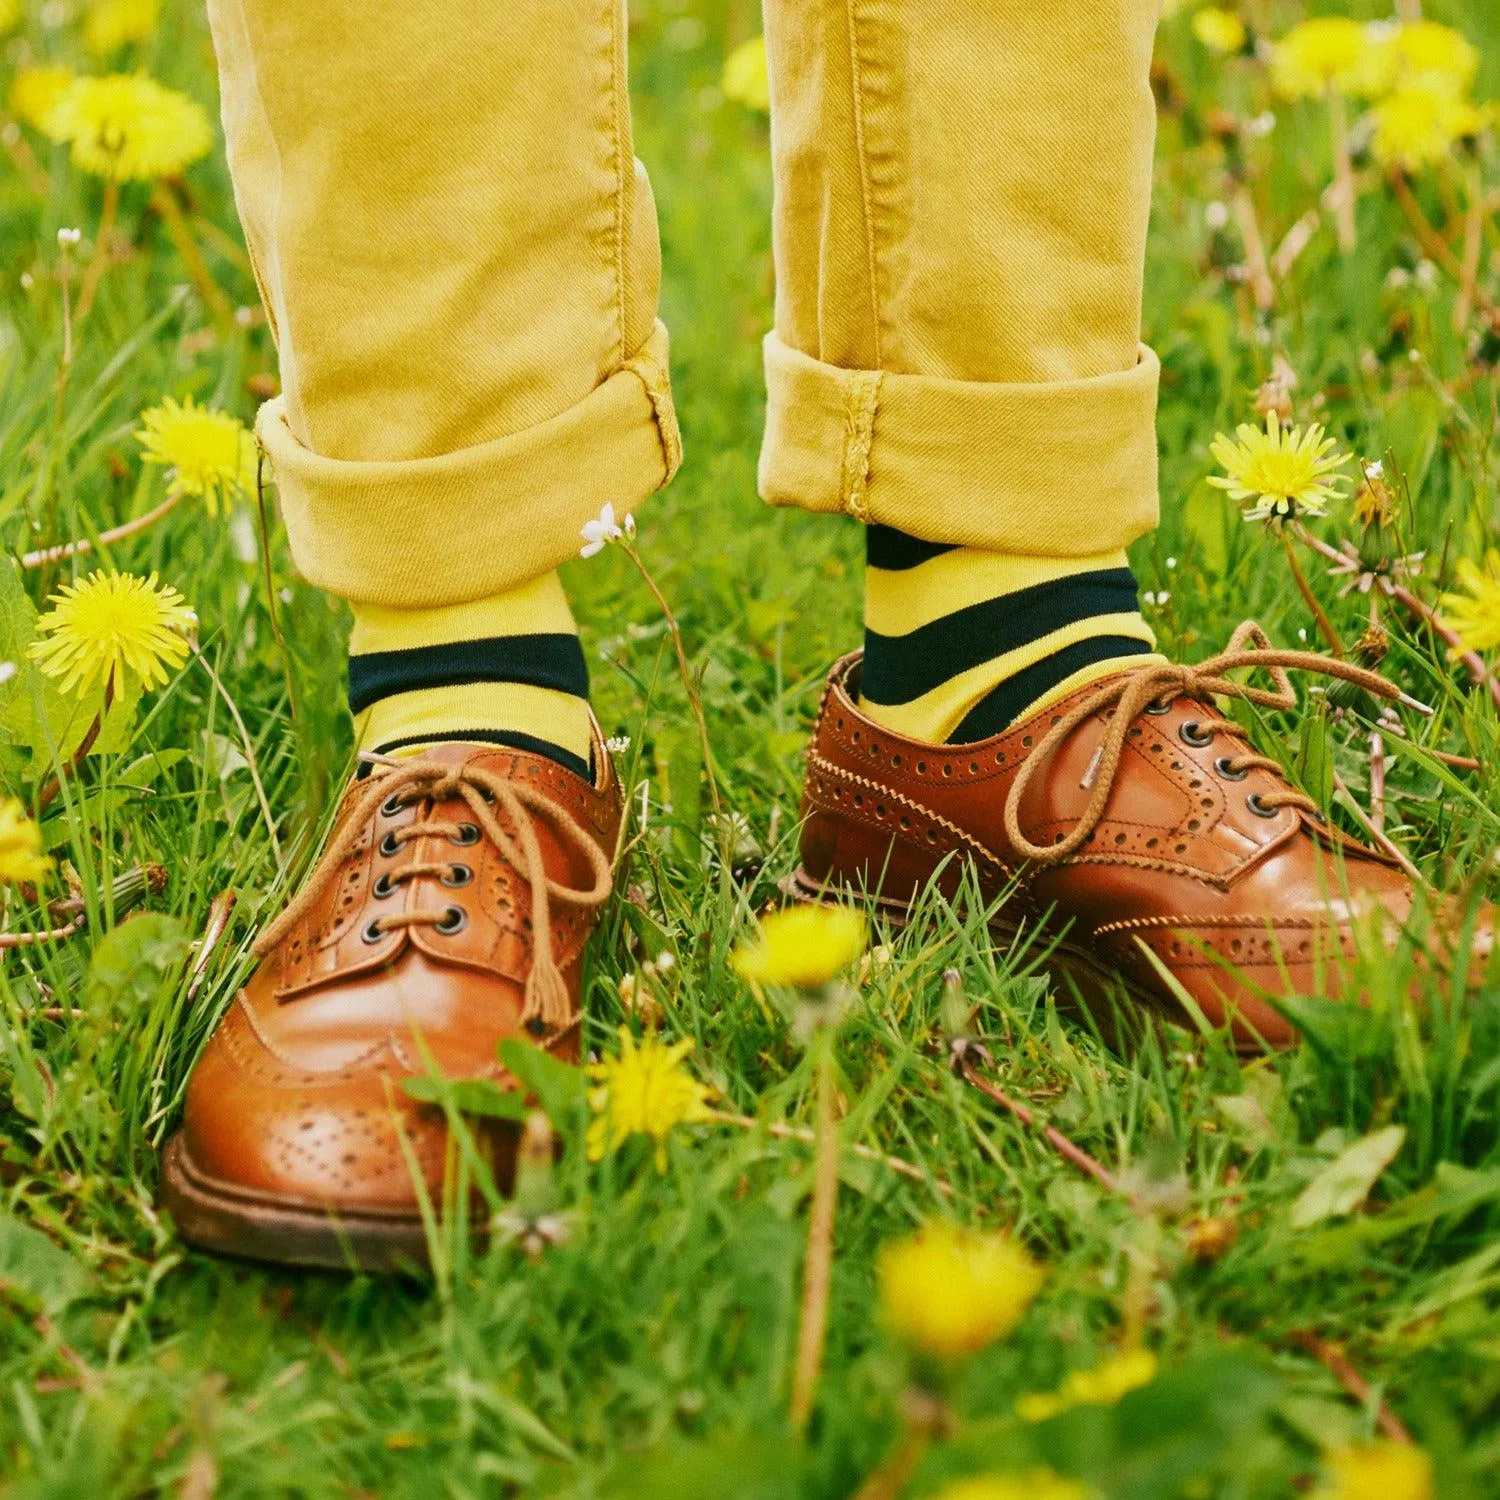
[
  {"x": 1129, "y": 693},
  {"x": 482, "y": 792}
]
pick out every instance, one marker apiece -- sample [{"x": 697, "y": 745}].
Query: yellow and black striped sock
[
  {"x": 504, "y": 671},
  {"x": 960, "y": 643}
]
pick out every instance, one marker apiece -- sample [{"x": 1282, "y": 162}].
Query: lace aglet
[
  {"x": 1087, "y": 784},
  {"x": 375, "y": 758},
  {"x": 1417, "y": 704}
]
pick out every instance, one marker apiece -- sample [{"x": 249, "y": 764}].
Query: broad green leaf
[
  {"x": 472, "y": 1096},
  {"x": 134, "y": 963},
  {"x": 559, "y": 1087},
  {"x": 40, "y": 1271},
  {"x": 1346, "y": 1181}
]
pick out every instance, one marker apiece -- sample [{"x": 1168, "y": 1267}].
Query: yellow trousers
[{"x": 458, "y": 254}]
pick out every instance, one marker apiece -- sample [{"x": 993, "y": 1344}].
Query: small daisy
[{"x": 598, "y": 534}]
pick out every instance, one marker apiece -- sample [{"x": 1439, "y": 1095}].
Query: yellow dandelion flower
[
  {"x": 128, "y": 127},
  {"x": 1332, "y": 52},
  {"x": 206, "y": 453},
  {"x": 1101, "y": 1386},
  {"x": 10, "y": 15},
  {"x": 110, "y": 625},
  {"x": 1220, "y": 30},
  {"x": 1378, "y": 1471},
  {"x": 950, "y": 1291},
  {"x": 1285, "y": 472},
  {"x": 21, "y": 856},
  {"x": 1474, "y": 615},
  {"x": 747, "y": 78},
  {"x": 1037, "y": 1484},
  {"x": 109, "y": 25},
  {"x": 34, "y": 93},
  {"x": 643, "y": 1091},
  {"x": 1420, "y": 122},
  {"x": 803, "y": 947},
  {"x": 1425, "y": 47}
]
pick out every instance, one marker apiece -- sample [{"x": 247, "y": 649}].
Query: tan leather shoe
[
  {"x": 448, "y": 912},
  {"x": 1143, "y": 834}
]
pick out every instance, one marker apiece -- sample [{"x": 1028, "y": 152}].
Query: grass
[{"x": 651, "y": 1353}]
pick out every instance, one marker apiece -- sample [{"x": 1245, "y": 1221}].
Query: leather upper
[
  {"x": 298, "y": 1094},
  {"x": 1236, "y": 898}
]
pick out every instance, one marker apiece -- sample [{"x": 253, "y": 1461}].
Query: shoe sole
[
  {"x": 1091, "y": 989},
  {"x": 218, "y": 1216}
]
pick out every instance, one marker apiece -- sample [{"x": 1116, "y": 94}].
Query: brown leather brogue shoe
[
  {"x": 449, "y": 911},
  {"x": 1138, "y": 831}
]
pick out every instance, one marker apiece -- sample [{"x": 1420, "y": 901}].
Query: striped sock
[
  {"x": 960, "y": 643},
  {"x": 504, "y": 671}
]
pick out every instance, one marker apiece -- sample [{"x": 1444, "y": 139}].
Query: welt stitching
[{"x": 894, "y": 796}]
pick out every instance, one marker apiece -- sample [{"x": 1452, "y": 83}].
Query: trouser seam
[
  {"x": 861, "y": 400},
  {"x": 620, "y": 103},
  {"x": 866, "y": 199}
]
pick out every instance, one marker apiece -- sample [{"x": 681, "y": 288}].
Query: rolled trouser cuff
[
  {"x": 428, "y": 532},
  {"x": 1058, "y": 469}
]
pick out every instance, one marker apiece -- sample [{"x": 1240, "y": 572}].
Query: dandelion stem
[
  {"x": 108, "y": 538},
  {"x": 1468, "y": 277},
  {"x": 1361, "y": 817},
  {"x": 818, "y": 1266},
  {"x": 1424, "y": 612},
  {"x": 23, "y": 158},
  {"x": 1434, "y": 246},
  {"x": 1325, "y": 625},
  {"x": 1257, "y": 268},
  {"x": 1344, "y": 191},
  {"x": 215, "y": 299},
  {"x": 689, "y": 683},
  {"x": 54, "y": 785},
  {"x": 1337, "y": 1363},
  {"x": 287, "y": 665},
  {"x": 94, "y": 272}
]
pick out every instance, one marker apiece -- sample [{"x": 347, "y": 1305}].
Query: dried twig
[
  {"x": 1065, "y": 1148},
  {"x": 1377, "y": 781},
  {"x": 1379, "y": 835},
  {"x": 784, "y": 1132},
  {"x": 1336, "y": 1362},
  {"x": 218, "y": 923},
  {"x": 108, "y": 538},
  {"x": 31, "y": 939}
]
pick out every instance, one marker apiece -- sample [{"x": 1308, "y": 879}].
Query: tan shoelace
[
  {"x": 1131, "y": 693},
  {"x": 481, "y": 791}
]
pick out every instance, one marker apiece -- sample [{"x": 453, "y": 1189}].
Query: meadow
[{"x": 1255, "y": 1277}]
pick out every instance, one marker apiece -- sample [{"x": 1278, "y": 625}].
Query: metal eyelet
[
  {"x": 373, "y": 931},
  {"x": 1158, "y": 708},
  {"x": 1192, "y": 735},
  {"x": 1258, "y": 807},
  {"x": 458, "y": 875},
  {"x": 468, "y": 833},
  {"x": 1225, "y": 767},
  {"x": 384, "y": 886},
  {"x": 390, "y": 846},
  {"x": 455, "y": 919},
  {"x": 392, "y": 805}
]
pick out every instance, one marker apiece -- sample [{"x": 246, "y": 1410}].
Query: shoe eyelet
[
  {"x": 1225, "y": 767},
  {"x": 1158, "y": 708},
  {"x": 384, "y": 886},
  {"x": 455, "y": 919},
  {"x": 458, "y": 875},
  {"x": 1259, "y": 808},
  {"x": 373, "y": 931},
  {"x": 1192, "y": 735},
  {"x": 468, "y": 833},
  {"x": 390, "y": 846},
  {"x": 392, "y": 805}
]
